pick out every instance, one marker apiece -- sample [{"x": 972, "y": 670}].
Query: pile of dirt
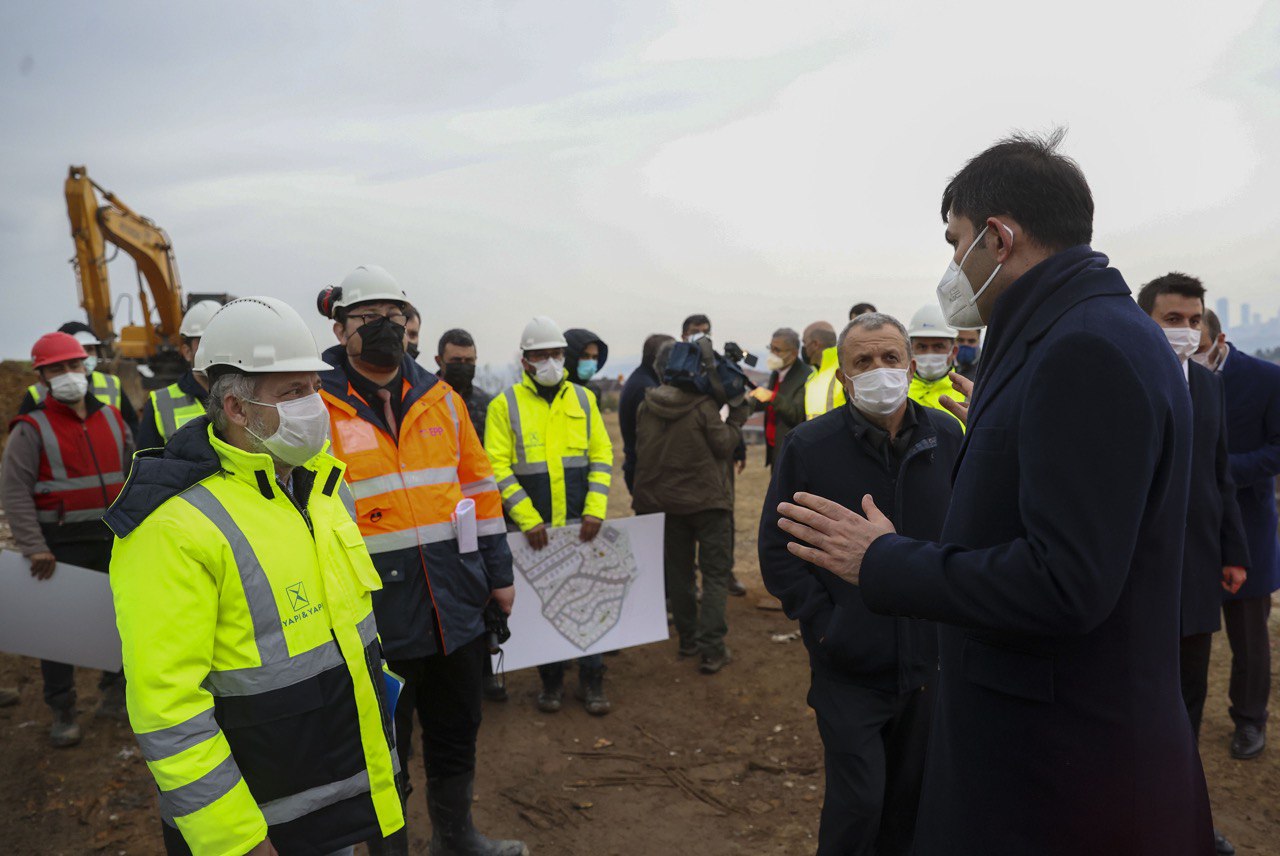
[{"x": 15, "y": 377}]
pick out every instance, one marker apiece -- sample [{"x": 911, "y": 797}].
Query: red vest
[{"x": 81, "y": 463}]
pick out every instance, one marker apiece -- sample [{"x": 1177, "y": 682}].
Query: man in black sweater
[{"x": 872, "y": 675}]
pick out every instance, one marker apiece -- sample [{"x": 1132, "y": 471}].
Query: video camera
[{"x": 696, "y": 367}]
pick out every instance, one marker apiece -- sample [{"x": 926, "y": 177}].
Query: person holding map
[{"x": 553, "y": 460}]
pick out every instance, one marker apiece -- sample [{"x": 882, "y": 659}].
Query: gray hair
[
  {"x": 663, "y": 356},
  {"x": 239, "y": 384},
  {"x": 791, "y": 337},
  {"x": 874, "y": 321}
]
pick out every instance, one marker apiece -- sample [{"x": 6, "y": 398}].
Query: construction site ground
[{"x": 685, "y": 764}]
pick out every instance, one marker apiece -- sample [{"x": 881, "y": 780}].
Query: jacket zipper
[{"x": 906, "y": 649}]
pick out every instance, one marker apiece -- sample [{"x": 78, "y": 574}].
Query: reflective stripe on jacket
[
  {"x": 405, "y": 491},
  {"x": 553, "y": 461},
  {"x": 82, "y": 463},
  {"x": 254, "y": 687},
  {"x": 174, "y": 408},
  {"x": 823, "y": 390},
  {"x": 927, "y": 392},
  {"x": 105, "y": 388}
]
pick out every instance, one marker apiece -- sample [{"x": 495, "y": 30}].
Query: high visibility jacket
[
  {"x": 105, "y": 388},
  {"x": 823, "y": 390},
  {"x": 255, "y": 686},
  {"x": 406, "y": 489},
  {"x": 553, "y": 461},
  {"x": 82, "y": 463},
  {"x": 927, "y": 392},
  {"x": 172, "y": 407}
]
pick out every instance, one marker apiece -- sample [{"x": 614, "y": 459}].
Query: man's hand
[
  {"x": 958, "y": 409},
  {"x": 505, "y": 598},
  {"x": 840, "y": 537},
  {"x": 42, "y": 565},
  {"x": 739, "y": 466},
  {"x": 537, "y": 536},
  {"x": 590, "y": 528},
  {"x": 264, "y": 848},
  {"x": 762, "y": 395},
  {"x": 1232, "y": 578}
]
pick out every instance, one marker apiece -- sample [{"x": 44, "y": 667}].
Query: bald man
[{"x": 822, "y": 390}]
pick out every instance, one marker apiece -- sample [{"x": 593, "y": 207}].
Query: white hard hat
[
  {"x": 369, "y": 282},
  {"x": 929, "y": 323},
  {"x": 259, "y": 334},
  {"x": 197, "y": 318},
  {"x": 84, "y": 337},
  {"x": 542, "y": 333}
]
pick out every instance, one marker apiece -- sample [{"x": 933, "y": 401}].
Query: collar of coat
[{"x": 417, "y": 384}]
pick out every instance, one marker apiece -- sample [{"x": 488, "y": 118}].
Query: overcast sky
[{"x": 618, "y": 166}]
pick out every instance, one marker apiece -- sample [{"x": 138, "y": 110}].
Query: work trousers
[
  {"x": 1193, "y": 661},
  {"x": 395, "y": 845},
  {"x": 552, "y": 674},
  {"x": 1246, "y": 622},
  {"x": 874, "y": 746},
  {"x": 445, "y": 692},
  {"x": 704, "y": 537},
  {"x": 60, "y": 678}
]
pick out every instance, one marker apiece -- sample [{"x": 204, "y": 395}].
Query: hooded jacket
[
  {"x": 684, "y": 452},
  {"x": 578, "y": 340}
]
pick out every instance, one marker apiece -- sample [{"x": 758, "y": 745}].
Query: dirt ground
[{"x": 686, "y": 763}]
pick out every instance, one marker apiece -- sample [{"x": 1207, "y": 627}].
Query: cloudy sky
[{"x": 620, "y": 165}]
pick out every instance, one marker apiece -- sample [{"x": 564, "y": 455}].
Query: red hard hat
[{"x": 56, "y": 348}]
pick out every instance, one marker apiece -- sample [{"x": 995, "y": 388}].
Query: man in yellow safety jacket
[
  {"x": 934, "y": 350},
  {"x": 553, "y": 461},
  {"x": 170, "y": 407},
  {"x": 242, "y": 596},
  {"x": 823, "y": 390},
  {"x": 104, "y": 387}
]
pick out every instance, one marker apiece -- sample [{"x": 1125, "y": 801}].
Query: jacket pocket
[
  {"x": 575, "y": 433},
  {"x": 352, "y": 546},
  {"x": 1015, "y": 673}
]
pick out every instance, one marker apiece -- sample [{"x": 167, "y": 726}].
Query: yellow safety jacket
[
  {"x": 174, "y": 408},
  {"x": 927, "y": 392},
  {"x": 105, "y": 388},
  {"x": 823, "y": 390},
  {"x": 553, "y": 462},
  {"x": 255, "y": 686}
]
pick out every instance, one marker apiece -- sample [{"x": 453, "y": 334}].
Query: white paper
[
  {"x": 68, "y": 618},
  {"x": 464, "y": 526},
  {"x": 574, "y": 599}
]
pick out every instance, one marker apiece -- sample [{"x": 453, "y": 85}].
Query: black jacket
[
  {"x": 1215, "y": 533},
  {"x": 632, "y": 397},
  {"x": 787, "y": 404},
  {"x": 830, "y": 456},
  {"x": 1059, "y": 727}
]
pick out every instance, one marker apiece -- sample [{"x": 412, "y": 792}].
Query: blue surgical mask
[
  {"x": 587, "y": 369},
  {"x": 968, "y": 355}
]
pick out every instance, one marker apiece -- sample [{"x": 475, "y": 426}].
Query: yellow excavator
[{"x": 155, "y": 340}]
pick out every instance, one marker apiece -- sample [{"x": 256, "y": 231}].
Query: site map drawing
[{"x": 581, "y": 586}]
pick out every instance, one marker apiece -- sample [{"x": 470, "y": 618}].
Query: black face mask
[
  {"x": 382, "y": 343},
  {"x": 459, "y": 376},
  {"x": 413, "y": 352}
]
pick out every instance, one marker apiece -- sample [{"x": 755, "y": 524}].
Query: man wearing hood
[
  {"x": 585, "y": 356},
  {"x": 684, "y": 461},
  {"x": 640, "y": 381}
]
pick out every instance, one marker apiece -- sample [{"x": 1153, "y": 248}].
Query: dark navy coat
[
  {"x": 1059, "y": 727},
  {"x": 1253, "y": 438}
]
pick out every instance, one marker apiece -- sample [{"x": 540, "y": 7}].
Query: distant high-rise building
[
  {"x": 1257, "y": 319},
  {"x": 1224, "y": 311},
  {"x": 1244, "y": 315}
]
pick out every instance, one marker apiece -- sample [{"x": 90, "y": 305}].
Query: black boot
[
  {"x": 591, "y": 691},
  {"x": 452, "y": 834}
]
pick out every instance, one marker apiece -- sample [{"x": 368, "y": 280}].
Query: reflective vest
[
  {"x": 82, "y": 463},
  {"x": 553, "y": 461},
  {"x": 255, "y": 685},
  {"x": 405, "y": 492},
  {"x": 927, "y": 392},
  {"x": 173, "y": 408},
  {"x": 823, "y": 390},
  {"x": 105, "y": 388}
]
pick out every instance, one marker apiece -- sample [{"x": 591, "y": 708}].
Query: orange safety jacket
[
  {"x": 405, "y": 490},
  {"x": 82, "y": 465}
]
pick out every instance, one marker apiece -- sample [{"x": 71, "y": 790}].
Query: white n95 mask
[
  {"x": 550, "y": 371},
  {"x": 1183, "y": 340},
  {"x": 879, "y": 392},
  {"x": 69, "y": 387},
  {"x": 933, "y": 366},
  {"x": 303, "y": 431},
  {"x": 956, "y": 296}
]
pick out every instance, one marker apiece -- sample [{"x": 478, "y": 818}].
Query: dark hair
[
  {"x": 411, "y": 313},
  {"x": 1025, "y": 178},
  {"x": 457, "y": 337},
  {"x": 860, "y": 309},
  {"x": 1170, "y": 283},
  {"x": 649, "y": 353},
  {"x": 695, "y": 321},
  {"x": 1212, "y": 323}
]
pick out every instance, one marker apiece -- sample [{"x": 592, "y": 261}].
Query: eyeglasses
[{"x": 396, "y": 317}]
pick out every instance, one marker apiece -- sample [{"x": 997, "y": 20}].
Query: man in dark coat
[
  {"x": 782, "y": 398},
  {"x": 645, "y": 377},
  {"x": 873, "y": 677},
  {"x": 1253, "y": 439},
  {"x": 1059, "y": 727}
]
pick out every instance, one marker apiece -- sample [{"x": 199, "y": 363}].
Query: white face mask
[
  {"x": 956, "y": 296},
  {"x": 879, "y": 392},
  {"x": 90, "y": 364},
  {"x": 933, "y": 366},
  {"x": 303, "y": 431},
  {"x": 1183, "y": 340},
  {"x": 548, "y": 372},
  {"x": 773, "y": 363},
  {"x": 69, "y": 387},
  {"x": 693, "y": 337}
]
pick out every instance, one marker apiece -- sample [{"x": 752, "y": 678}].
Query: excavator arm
[{"x": 92, "y": 227}]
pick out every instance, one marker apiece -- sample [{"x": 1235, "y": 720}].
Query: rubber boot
[
  {"x": 112, "y": 705},
  {"x": 452, "y": 833},
  {"x": 65, "y": 731},
  {"x": 591, "y": 691},
  {"x": 552, "y": 694}
]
